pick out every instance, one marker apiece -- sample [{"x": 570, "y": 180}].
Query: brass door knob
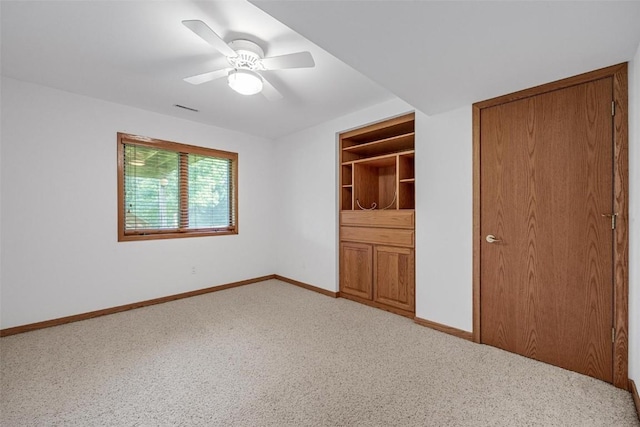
[{"x": 491, "y": 238}]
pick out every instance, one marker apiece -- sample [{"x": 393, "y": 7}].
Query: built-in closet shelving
[{"x": 377, "y": 202}]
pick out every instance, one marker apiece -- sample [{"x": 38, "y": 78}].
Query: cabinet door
[
  {"x": 393, "y": 277},
  {"x": 356, "y": 261}
]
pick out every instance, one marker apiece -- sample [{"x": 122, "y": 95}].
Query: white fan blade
[
  {"x": 292, "y": 60},
  {"x": 270, "y": 92},
  {"x": 207, "y": 77},
  {"x": 208, "y": 35}
]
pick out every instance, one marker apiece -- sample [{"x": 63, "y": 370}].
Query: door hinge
[
  {"x": 613, "y": 108},
  {"x": 613, "y": 334},
  {"x": 614, "y": 219}
]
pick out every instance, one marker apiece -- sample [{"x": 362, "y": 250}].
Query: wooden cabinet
[
  {"x": 381, "y": 274},
  {"x": 377, "y": 217}
]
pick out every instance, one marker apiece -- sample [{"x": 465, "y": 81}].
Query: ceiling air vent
[{"x": 186, "y": 108}]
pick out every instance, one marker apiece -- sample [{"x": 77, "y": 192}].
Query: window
[{"x": 168, "y": 190}]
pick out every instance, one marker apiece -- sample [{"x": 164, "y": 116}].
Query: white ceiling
[
  {"x": 434, "y": 55},
  {"x": 439, "y": 55},
  {"x": 137, "y": 53}
]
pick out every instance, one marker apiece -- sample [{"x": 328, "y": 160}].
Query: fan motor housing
[{"x": 249, "y": 55}]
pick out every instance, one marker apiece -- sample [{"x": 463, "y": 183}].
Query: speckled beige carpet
[{"x": 271, "y": 354}]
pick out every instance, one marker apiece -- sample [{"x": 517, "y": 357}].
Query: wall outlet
[{"x": 193, "y": 270}]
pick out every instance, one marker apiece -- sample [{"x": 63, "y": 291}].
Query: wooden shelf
[
  {"x": 406, "y": 167},
  {"x": 380, "y": 130},
  {"x": 379, "y": 161},
  {"x": 389, "y": 145},
  {"x": 377, "y": 165}
]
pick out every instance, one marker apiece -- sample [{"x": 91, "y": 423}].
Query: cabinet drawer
[
  {"x": 383, "y": 236},
  {"x": 387, "y": 219}
]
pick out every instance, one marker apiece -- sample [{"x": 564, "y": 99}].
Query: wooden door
[
  {"x": 393, "y": 277},
  {"x": 546, "y": 288},
  {"x": 356, "y": 261}
]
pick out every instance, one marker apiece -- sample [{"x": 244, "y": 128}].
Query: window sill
[{"x": 173, "y": 235}]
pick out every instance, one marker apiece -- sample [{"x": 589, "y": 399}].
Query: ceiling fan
[{"x": 246, "y": 60}]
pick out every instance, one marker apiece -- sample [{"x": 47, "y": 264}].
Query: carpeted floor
[{"x": 272, "y": 354}]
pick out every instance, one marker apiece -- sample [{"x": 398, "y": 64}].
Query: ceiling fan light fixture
[{"x": 245, "y": 82}]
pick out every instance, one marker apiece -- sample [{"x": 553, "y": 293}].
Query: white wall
[
  {"x": 634, "y": 218},
  {"x": 56, "y": 265},
  {"x": 444, "y": 218},
  {"x": 60, "y": 254},
  {"x": 307, "y": 178},
  {"x": 307, "y": 181},
  {"x": 50, "y": 270}
]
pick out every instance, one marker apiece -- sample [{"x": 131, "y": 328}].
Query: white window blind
[
  {"x": 151, "y": 189},
  {"x": 210, "y": 192}
]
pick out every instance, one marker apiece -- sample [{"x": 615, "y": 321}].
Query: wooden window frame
[{"x": 142, "y": 141}]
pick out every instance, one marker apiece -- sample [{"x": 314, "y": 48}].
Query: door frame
[{"x": 620, "y": 205}]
